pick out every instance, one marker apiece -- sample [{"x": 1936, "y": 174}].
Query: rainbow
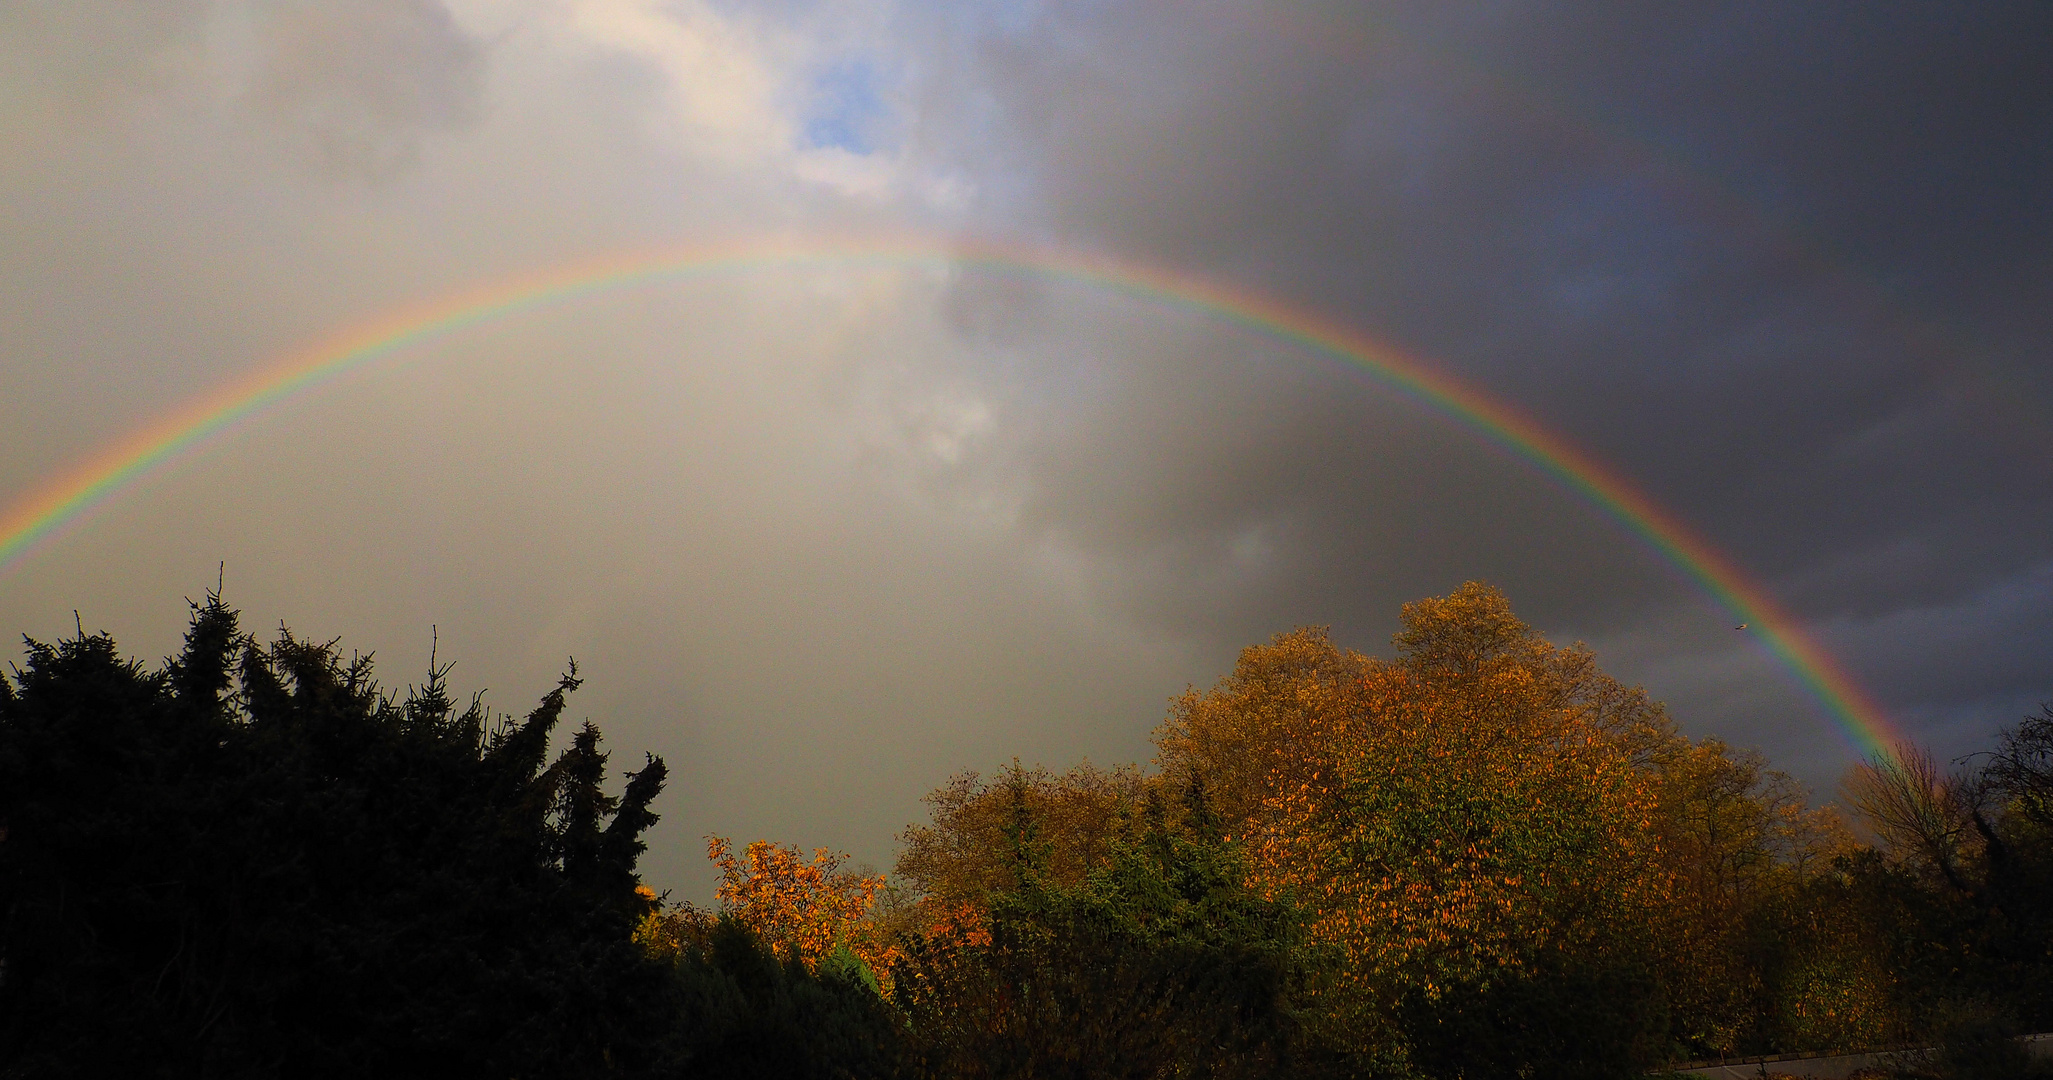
[{"x": 46, "y": 511}]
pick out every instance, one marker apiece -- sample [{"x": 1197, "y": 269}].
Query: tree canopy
[{"x": 1482, "y": 856}]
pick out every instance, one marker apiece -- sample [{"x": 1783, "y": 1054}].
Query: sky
[{"x": 823, "y": 532}]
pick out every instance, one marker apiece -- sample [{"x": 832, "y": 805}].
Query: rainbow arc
[{"x": 44, "y": 513}]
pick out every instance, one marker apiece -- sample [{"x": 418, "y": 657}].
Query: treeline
[{"x": 1483, "y": 857}]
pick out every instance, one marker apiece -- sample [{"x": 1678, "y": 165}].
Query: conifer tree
[{"x": 253, "y": 861}]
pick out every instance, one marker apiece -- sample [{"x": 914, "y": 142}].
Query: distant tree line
[{"x": 1483, "y": 857}]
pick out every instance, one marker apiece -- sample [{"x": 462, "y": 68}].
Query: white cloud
[
  {"x": 734, "y": 89},
  {"x": 724, "y": 77}
]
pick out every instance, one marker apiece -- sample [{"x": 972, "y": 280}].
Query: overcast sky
[{"x": 823, "y": 535}]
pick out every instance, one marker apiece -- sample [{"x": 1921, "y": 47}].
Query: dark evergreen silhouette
[
  {"x": 757, "y": 1015},
  {"x": 253, "y": 862}
]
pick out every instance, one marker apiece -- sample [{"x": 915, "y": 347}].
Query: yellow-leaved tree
[
  {"x": 1474, "y": 817},
  {"x": 800, "y": 907}
]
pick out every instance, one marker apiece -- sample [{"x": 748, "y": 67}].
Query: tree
[
  {"x": 802, "y": 910},
  {"x": 253, "y": 861},
  {"x": 1965, "y": 869},
  {"x": 1471, "y": 822},
  {"x": 2020, "y": 780},
  {"x": 1922, "y": 815},
  {"x": 746, "y": 1011},
  {"x": 1739, "y": 844},
  {"x": 964, "y": 853},
  {"x": 1159, "y": 962},
  {"x": 2021, "y": 771},
  {"x": 1264, "y": 727},
  {"x": 1268, "y": 725}
]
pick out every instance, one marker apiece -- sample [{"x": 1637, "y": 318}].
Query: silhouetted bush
[
  {"x": 251, "y": 862},
  {"x": 756, "y": 1015}
]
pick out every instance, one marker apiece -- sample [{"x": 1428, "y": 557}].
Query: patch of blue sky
[{"x": 847, "y": 110}]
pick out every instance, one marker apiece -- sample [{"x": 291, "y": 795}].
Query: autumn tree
[
  {"x": 1470, "y": 822},
  {"x": 803, "y": 909},
  {"x": 1266, "y": 726},
  {"x": 1747, "y": 965},
  {"x": 964, "y": 853}
]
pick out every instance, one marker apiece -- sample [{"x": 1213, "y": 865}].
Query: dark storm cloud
[{"x": 1786, "y": 267}]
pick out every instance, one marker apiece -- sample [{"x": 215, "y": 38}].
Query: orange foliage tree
[
  {"x": 1484, "y": 840},
  {"x": 803, "y": 908},
  {"x": 1265, "y": 727},
  {"x": 1445, "y": 818}
]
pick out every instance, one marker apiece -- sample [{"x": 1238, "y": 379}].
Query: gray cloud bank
[{"x": 822, "y": 535}]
